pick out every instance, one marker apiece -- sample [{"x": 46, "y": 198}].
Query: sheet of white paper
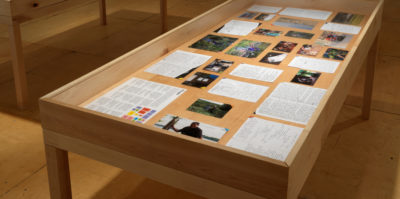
[
  {"x": 306, "y": 13},
  {"x": 236, "y": 27},
  {"x": 264, "y": 9},
  {"x": 291, "y": 102},
  {"x": 178, "y": 63},
  {"x": 256, "y": 72},
  {"x": 238, "y": 90},
  {"x": 344, "y": 28},
  {"x": 307, "y": 63},
  {"x": 125, "y": 100},
  {"x": 210, "y": 133},
  {"x": 266, "y": 138}
]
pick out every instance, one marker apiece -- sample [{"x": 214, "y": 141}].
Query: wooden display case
[{"x": 212, "y": 170}]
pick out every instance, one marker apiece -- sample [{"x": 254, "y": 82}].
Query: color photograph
[
  {"x": 248, "y": 48},
  {"x": 218, "y": 66},
  {"x": 248, "y": 15},
  {"x": 295, "y": 23},
  {"x": 302, "y": 35},
  {"x": 267, "y": 32},
  {"x": 265, "y": 17},
  {"x": 213, "y": 43},
  {"x": 334, "y": 39},
  {"x": 210, "y": 108},
  {"x": 185, "y": 126},
  {"x": 310, "y": 50},
  {"x": 348, "y": 18},
  {"x": 200, "y": 80},
  {"x": 285, "y": 46},
  {"x": 273, "y": 58},
  {"x": 337, "y": 54},
  {"x": 306, "y": 77}
]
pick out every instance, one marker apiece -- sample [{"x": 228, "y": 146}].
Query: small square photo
[
  {"x": 273, "y": 58},
  {"x": 285, "y": 46},
  {"x": 218, "y": 65},
  {"x": 310, "y": 50},
  {"x": 267, "y": 32},
  {"x": 337, "y": 54},
  {"x": 306, "y": 77},
  {"x": 200, "y": 80},
  {"x": 265, "y": 17},
  {"x": 248, "y": 15},
  {"x": 248, "y": 48},
  {"x": 210, "y": 108}
]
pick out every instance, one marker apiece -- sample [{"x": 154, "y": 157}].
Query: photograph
[
  {"x": 248, "y": 15},
  {"x": 248, "y": 48},
  {"x": 306, "y": 77},
  {"x": 295, "y": 23},
  {"x": 191, "y": 128},
  {"x": 213, "y": 43},
  {"x": 334, "y": 39},
  {"x": 285, "y": 46},
  {"x": 218, "y": 66},
  {"x": 348, "y": 18},
  {"x": 265, "y": 17},
  {"x": 210, "y": 108},
  {"x": 273, "y": 58},
  {"x": 200, "y": 80},
  {"x": 267, "y": 32},
  {"x": 337, "y": 54},
  {"x": 310, "y": 50},
  {"x": 302, "y": 35}
]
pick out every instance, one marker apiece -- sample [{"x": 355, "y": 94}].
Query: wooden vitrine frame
[
  {"x": 204, "y": 168},
  {"x": 15, "y": 12}
]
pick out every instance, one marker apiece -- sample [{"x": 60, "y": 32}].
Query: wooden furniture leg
[
  {"x": 369, "y": 79},
  {"x": 18, "y": 64},
  {"x": 163, "y": 13},
  {"x": 58, "y": 171},
  {"x": 103, "y": 12}
]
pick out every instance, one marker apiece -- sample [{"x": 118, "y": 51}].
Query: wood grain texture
[{"x": 58, "y": 173}]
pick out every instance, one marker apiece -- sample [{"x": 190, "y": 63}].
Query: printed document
[
  {"x": 306, "y": 13},
  {"x": 178, "y": 64},
  {"x": 137, "y": 100},
  {"x": 264, "y": 9},
  {"x": 238, "y": 90},
  {"x": 266, "y": 138},
  {"x": 321, "y": 65},
  {"x": 256, "y": 72},
  {"x": 236, "y": 27},
  {"x": 344, "y": 28},
  {"x": 291, "y": 102}
]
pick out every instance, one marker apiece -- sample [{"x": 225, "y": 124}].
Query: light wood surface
[
  {"x": 58, "y": 171},
  {"x": 259, "y": 175}
]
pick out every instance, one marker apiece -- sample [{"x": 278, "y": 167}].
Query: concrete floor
[{"x": 359, "y": 161}]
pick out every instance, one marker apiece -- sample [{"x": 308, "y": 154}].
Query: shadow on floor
[{"x": 60, "y": 59}]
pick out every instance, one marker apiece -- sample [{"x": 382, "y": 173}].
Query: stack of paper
[
  {"x": 256, "y": 72},
  {"x": 236, "y": 27},
  {"x": 238, "y": 90},
  {"x": 306, "y": 13}
]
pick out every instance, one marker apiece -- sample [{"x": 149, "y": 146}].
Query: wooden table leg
[
  {"x": 58, "y": 173},
  {"x": 18, "y": 64},
  {"x": 163, "y": 13},
  {"x": 103, "y": 12},
  {"x": 369, "y": 79}
]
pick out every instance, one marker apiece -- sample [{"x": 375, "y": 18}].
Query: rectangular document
[
  {"x": 238, "y": 90},
  {"x": 137, "y": 100},
  {"x": 256, "y": 72},
  {"x": 264, "y": 9},
  {"x": 321, "y": 65},
  {"x": 237, "y": 27},
  {"x": 266, "y": 138},
  {"x": 178, "y": 64},
  {"x": 210, "y": 133},
  {"x": 344, "y": 28},
  {"x": 306, "y": 13},
  {"x": 292, "y": 102}
]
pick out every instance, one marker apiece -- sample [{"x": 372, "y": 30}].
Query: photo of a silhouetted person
[{"x": 193, "y": 130}]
